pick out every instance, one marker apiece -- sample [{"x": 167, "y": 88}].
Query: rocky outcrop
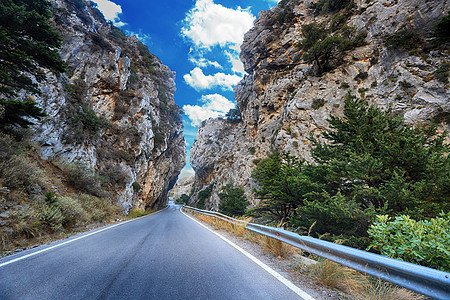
[
  {"x": 113, "y": 109},
  {"x": 283, "y": 101}
]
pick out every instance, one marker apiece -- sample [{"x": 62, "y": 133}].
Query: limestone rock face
[
  {"x": 113, "y": 109},
  {"x": 276, "y": 97}
]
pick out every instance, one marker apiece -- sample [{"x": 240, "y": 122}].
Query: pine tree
[
  {"x": 232, "y": 200},
  {"x": 375, "y": 158},
  {"x": 28, "y": 43}
]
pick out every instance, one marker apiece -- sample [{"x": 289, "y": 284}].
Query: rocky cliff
[
  {"x": 113, "y": 110},
  {"x": 285, "y": 98}
]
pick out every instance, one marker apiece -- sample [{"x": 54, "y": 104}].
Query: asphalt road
[{"x": 162, "y": 256}]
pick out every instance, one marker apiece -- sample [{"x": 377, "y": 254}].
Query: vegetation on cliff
[
  {"x": 371, "y": 163},
  {"x": 28, "y": 43}
]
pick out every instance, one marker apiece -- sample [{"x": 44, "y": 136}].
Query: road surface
[{"x": 162, "y": 256}]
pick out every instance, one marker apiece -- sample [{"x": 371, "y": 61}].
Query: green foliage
[
  {"x": 252, "y": 150},
  {"x": 51, "y": 216},
  {"x": 282, "y": 186},
  {"x": 136, "y": 187},
  {"x": 234, "y": 115},
  {"x": 77, "y": 4},
  {"x": 28, "y": 43},
  {"x": 336, "y": 215},
  {"x": 404, "y": 39},
  {"x": 117, "y": 34},
  {"x": 442, "y": 31},
  {"x": 204, "y": 195},
  {"x": 317, "y": 103},
  {"x": 442, "y": 73},
  {"x": 373, "y": 157},
  {"x": 81, "y": 177},
  {"x": 232, "y": 200},
  {"x": 17, "y": 171},
  {"x": 73, "y": 212},
  {"x": 327, "y": 49},
  {"x": 183, "y": 199},
  {"x": 89, "y": 120},
  {"x": 159, "y": 139},
  {"x": 325, "y": 6},
  {"x": 368, "y": 163},
  {"x": 423, "y": 242},
  {"x": 17, "y": 112}
]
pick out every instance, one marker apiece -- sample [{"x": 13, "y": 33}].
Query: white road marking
[
  {"x": 69, "y": 241},
  {"x": 272, "y": 272}
]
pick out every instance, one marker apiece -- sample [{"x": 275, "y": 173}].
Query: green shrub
[
  {"x": 422, "y": 242},
  {"x": 204, "y": 195},
  {"x": 136, "y": 187},
  {"x": 252, "y": 150},
  {"x": 317, "y": 103},
  {"x": 99, "y": 209},
  {"x": 51, "y": 216},
  {"x": 232, "y": 200},
  {"x": 325, "y": 6},
  {"x": 405, "y": 39},
  {"x": 442, "y": 73},
  {"x": 159, "y": 139},
  {"x": 117, "y": 34},
  {"x": 91, "y": 122},
  {"x": 19, "y": 172},
  {"x": 81, "y": 177},
  {"x": 442, "y": 31},
  {"x": 73, "y": 212}
]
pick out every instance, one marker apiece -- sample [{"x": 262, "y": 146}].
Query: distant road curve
[{"x": 162, "y": 256}]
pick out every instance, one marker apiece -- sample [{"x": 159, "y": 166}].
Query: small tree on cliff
[{"x": 28, "y": 43}]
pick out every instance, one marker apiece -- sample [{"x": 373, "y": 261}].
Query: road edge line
[
  {"x": 268, "y": 269},
  {"x": 73, "y": 240}
]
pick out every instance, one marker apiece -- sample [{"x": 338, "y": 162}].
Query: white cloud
[
  {"x": 111, "y": 11},
  {"x": 143, "y": 37},
  {"x": 238, "y": 66},
  {"x": 200, "y": 81},
  {"x": 203, "y": 62},
  {"x": 214, "y": 106},
  {"x": 209, "y": 24}
]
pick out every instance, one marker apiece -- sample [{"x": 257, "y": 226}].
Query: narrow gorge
[{"x": 288, "y": 97}]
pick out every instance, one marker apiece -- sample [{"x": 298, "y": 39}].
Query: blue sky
[{"x": 200, "y": 41}]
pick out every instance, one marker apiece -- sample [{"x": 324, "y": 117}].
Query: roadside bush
[
  {"x": 232, "y": 200},
  {"x": 81, "y": 177},
  {"x": 51, "y": 216},
  {"x": 423, "y": 242},
  {"x": 18, "y": 172},
  {"x": 99, "y": 209},
  {"x": 204, "y": 195},
  {"x": 73, "y": 212}
]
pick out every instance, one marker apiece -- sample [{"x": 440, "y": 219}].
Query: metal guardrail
[{"x": 423, "y": 280}]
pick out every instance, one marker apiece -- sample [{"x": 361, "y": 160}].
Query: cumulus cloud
[
  {"x": 238, "y": 66},
  {"x": 214, "y": 106},
  {"x": 200, "y": 81},
  {"x": 209, "y": 24},
  {"x": 111, "y": 11}
]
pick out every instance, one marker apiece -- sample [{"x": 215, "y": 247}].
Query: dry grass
[
  {"x": 354, "y": 284},
  {"x": 357, "y": 285},
  {"x": 272, "y": 246}
]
